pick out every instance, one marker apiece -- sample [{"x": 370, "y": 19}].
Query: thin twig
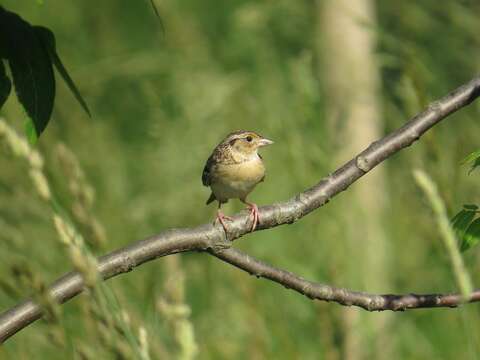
[{"x": 212, "y": 238}]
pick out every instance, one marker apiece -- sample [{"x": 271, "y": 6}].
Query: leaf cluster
[
  {"x": 466, "y": 223},
  {"x": 30, "y": 52}
]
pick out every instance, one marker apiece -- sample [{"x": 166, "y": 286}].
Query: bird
[{"x": 233, "y": 170}]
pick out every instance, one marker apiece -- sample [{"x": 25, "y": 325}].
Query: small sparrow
[{"x": 234, "y": 169}]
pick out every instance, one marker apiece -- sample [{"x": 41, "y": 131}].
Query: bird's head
[{"x": 246, "y": 143}]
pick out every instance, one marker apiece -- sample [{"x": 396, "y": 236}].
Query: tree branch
[
  {"x": 212, "y": 238},
  {"x": 312, "y": 290}
]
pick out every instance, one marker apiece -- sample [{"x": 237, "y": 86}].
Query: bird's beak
[{"x": 264, "y": 142}]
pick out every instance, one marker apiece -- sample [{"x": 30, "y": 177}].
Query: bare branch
[
  {"x": 312, "y": 290},
  {"x": 116, "y": 263},
  {"x": 208, "y": 237}
]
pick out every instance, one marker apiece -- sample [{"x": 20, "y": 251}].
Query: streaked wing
[
  {"x": 219, "y": 155},
  {"x": 206, "y": 174}
]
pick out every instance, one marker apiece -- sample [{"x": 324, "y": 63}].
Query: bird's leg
[
  {"x": 253, "y": 213},
  {"x": 221, "y": 217}
]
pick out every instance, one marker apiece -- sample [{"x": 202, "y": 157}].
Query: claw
[
  {"x": 221, "y": 217},
  {"x": 254, "y": 214}
]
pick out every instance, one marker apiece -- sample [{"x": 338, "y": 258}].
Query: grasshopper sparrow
[{"x": 234, "y": 169}]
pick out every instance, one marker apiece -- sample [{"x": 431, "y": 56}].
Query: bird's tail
[{"x": 211, "y": 198}]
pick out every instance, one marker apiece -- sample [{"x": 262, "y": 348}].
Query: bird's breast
[
  {"x": 237, "y": 180},
  {"x": 247, "y": 171}
]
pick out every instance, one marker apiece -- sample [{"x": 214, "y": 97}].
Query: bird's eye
[{"x": 249, "y": 138}]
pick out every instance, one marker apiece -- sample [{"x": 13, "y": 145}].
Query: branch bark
[
  {"x": 313, "y": 290},
  {"x": 213, "y": 239}
]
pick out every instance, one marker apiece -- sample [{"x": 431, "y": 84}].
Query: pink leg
[
  {"x": 253, "y": 213},
  {"x": 221, "y": 217}
]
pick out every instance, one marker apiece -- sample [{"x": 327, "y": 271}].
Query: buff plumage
[{"x": 234, "y": 169}]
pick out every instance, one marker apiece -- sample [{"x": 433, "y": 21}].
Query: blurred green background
[{"x": 162, "y": 101}]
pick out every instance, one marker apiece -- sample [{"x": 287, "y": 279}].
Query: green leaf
[
  {"x": 3, "y": 36},
  {"x": 30, "y": 132},
  {"x": 475, "y": 164},
  {"x": 155, "y": 10},
  {"x": 5, "y": 84},
  {"x": 473, "y": 159},
  {"x": 461, "y": 221},
  {"x": 471, "y": 236},
  {"x": 30, "y": 66},
  {"x": 47, "y": 38},
  {"x": 470, "y": 207}
]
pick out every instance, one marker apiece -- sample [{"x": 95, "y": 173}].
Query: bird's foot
[
  {"x": 221, "y": 217},
  {"x": 254, "y": 214}
]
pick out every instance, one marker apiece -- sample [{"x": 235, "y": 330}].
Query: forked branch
[{"x": 212, "y": 238}]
